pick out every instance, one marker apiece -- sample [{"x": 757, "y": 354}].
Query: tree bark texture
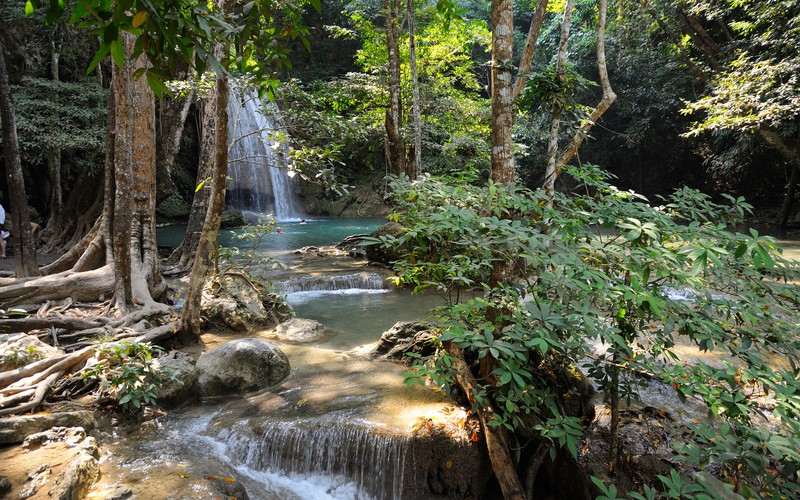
[
  {"x": 122, "y": 174},
  {"x": 394, "y": 113},
  {"x": 25, "y": 263},
  {"x": 190, "y": 316},
  {"x": 502, "y": 91},
  {"x": 172, "y": 115},
  {"x": 551, "y": 173},
  {"x": 607, "y": 99},
  {"x": 183, "y": 255},
  {"x": 146, "y": 280},
  {"x": 127, "y": 224},
  {"x": 415, "y": 169},
  {"x": 530, "y": 47}
]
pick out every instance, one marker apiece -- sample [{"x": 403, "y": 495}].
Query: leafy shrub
[
  {"x": 124, "y": 372},
  {"x": 602, "y": 268}
]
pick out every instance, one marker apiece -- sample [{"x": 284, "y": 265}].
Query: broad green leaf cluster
[{"x": 605, "y": 281}]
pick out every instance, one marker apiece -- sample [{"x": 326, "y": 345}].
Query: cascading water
[
  {"x": 370, "y": 460},
  {"x": 256, "y": 163},
  {"x": 335, "y": 282}
]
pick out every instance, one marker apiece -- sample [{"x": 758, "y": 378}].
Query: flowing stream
[{"x": 338, "y": 427}]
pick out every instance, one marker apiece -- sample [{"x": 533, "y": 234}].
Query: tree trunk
[
  {"x": 416, "y": 169},
  {"x": 555, "y": 160},
  {"x": 172, "y": 115},
  {"x": 605, "y": 84},
  {"x": 788, "y": 199},
  {"x": 790, "y": 154},
  {"x": 183, "y": 256},
  {"x": 530, "y": 47},
  {"x": 126, "y": 233},
  {"x": 146, "y": 280},
  {"x": 496, "y": 440},
  {"x": 122, "y": 176},
  {"x": 394, "y": 113},
  {"x": 502, "y": 91},
  {"x": 206, "y": 245},
  {"x": 551, "y": 172},
  {"x": 25, "y": 263}
]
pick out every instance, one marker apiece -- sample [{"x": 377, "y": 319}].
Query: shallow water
[{"x": 334, "y": 429}]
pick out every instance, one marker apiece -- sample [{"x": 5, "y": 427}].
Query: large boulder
[
  {"x": 177, "y": 377},
  {"x": 241, "y": 366},
  {"x": 301, "y": 331},
  {"x": 379, "y": 253},
  {"x": 234, "y": 301},
  {"x": 405, "y": 337},
  {"x": 232, "y": 218}
]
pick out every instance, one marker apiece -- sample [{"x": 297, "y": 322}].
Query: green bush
[
  {"x": 124, "y": 372},
  {"x": 601, "y": 267}
]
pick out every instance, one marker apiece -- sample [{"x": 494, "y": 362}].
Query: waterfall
[
  {"x": 361, "y": 281},
  {"x": 259, "y": 180},
  {"x": 372, "y": 458}
]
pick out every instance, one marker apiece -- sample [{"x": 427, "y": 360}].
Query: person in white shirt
[{"x": 3, "y": 233}]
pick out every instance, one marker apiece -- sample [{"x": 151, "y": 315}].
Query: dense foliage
[
  {"x": 61, "y": 116},
  {"x": 625, "y": 285},
  {"x": 341, "y": 119}
]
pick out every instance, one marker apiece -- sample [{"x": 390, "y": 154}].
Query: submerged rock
[
  {"x": 405, "y": 337},
  {"x": 241, "y": 366},
  {"x": 233, "y": 300},
  {"x": 301, "y": 330}
]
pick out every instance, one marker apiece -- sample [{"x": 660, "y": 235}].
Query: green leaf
[
  {"x": 117, "y": 50},
  {"x": 101, "y": 54},
  {"x": 30, "y": 8}
]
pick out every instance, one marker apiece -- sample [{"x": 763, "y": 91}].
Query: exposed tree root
[
  {"x": 24, "y": 389},
  {"x": 85, "y": 286},
  {"x": 25, "y": 325},
  {"x": 41, "y": 391}
]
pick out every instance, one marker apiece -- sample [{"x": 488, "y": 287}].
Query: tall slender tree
[
  {"x": 25, "y": 262},
  {"x": 395, "y": 144}
]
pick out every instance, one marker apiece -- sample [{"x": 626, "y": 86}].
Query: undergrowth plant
[
  {"x": 621, "y": 282},
  {"x": 124, "y": 372}
]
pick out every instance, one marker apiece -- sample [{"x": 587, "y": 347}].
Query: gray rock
[
  {"x": 177, "y": 378},
  {"x": 16, "y": 429},
  {"x": 381, "y": 254},
  {"x": 232, "y": 218},
  {"x": 5, "y": 485},
  {"x": 301, "y": 330},
  {"x": 402, "y": 338},
  {"x": 232, "y": 300},
  {"x": 241, "y": 366}
]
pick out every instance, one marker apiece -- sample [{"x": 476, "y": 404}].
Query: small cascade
[
  {"x": 336, "y": 282},
  {"x": 257, "y": 164},
  {"x": 371, "y": 458}
]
